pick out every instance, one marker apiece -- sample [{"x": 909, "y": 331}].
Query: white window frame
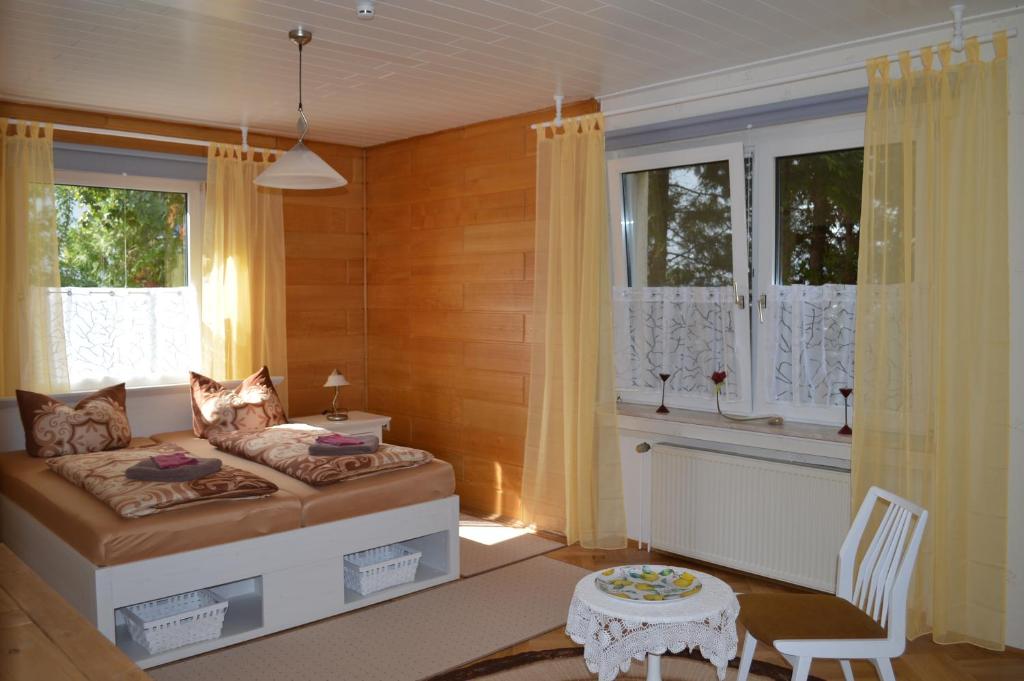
[
  {"x": 193, "y": 218},
  {"x": 827, "y": 135},
  {"x": 733, "y": 153},
  {"x": 196, "y": 195}
]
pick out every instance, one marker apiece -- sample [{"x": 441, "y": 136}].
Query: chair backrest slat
[
  {"x": 870, "y": 559},
  {"x": 883, "y": 574}
]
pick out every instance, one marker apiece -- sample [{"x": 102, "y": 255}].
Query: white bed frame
[{"x": 272, "y": 582}]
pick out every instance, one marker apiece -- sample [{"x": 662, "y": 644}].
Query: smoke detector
[{"x": 364, "y": 9}]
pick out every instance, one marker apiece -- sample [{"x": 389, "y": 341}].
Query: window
[
  {"x": 682, "y": 258},
  {"x": 684, "y": 274},
  {"x": 128, "y": 297}
]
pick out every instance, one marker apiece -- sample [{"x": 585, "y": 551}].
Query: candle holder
[
  {"x": 664, "y": 382},
  {"x": 846, "y": 429}
]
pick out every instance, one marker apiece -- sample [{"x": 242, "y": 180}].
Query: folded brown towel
[
  {"x": 369, "y": 445},
  {"x": 148, "y": 471}
]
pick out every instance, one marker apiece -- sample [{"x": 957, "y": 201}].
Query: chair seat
[{"x": 783, "y": 617}]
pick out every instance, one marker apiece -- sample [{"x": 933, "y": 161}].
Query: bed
[{"x": 278, "y": 559}]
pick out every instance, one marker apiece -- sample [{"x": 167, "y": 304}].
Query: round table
[{"x": 614, "y": 631}]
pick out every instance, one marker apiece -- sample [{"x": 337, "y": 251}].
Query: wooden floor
[
  {"x": 43, "y": 638},
  {"x": 923, "y": 660}
]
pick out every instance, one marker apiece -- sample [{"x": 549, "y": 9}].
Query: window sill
[
  {"x": 793, "y": 442},
  {"x": 807, "y": 431}
]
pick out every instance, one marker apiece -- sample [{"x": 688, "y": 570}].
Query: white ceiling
[{"x": 418, "y": 67}]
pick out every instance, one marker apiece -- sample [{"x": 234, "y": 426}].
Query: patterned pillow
[
  {"x": 253, "y": 405},
  {"x": 97, "y": 423}
]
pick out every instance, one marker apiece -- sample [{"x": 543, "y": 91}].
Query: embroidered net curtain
[
  {"x": 242, "y": 309},
  {"x": 32, "y": 354},
  {"x": 932, "y": 393},
  {"x": 572, "y": 481}
]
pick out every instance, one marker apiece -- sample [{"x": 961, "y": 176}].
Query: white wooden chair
[{"x": 866, "y": 619}]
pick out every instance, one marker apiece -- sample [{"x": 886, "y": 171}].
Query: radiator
[{"x": 778, "y": 520}]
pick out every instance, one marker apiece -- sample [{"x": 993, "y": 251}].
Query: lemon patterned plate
[{"x": 652, "y": 584}]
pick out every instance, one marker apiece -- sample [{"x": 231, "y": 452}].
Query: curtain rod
[
  {"x": 782, "y": 80},
  {"x": 150, "y": 137}
]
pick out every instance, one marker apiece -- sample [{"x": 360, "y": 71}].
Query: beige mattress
[
  {"x": 380, "y": 492},
  {"x": 103, "y": 537},
  {"x": 94, "y": 530}
]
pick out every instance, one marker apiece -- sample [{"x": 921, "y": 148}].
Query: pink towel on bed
[
  {"x": 175, "y": 460},
  {"x": 339, "y": 440}
]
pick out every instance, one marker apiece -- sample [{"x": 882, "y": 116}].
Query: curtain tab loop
[
  {"x": 927, "y": 57},
  {"x": 878, "y": 69},
  {"x": 906, "y": 67},
  {"x": 945, "y": 55},
  {"x": 973, "y": 50},
  {"x": 999, "y": 44}
]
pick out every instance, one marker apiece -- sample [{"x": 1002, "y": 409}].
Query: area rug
[
  {"x": 485, "y": 545},
  {"x": 566, "y": 664},
  {"x": 409, "y": 638}
]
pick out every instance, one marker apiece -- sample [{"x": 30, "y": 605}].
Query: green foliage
[
  {"x": 690, "y": 232},
  {"x": 819, "y": 217},
  {"x": 689, "y": 227},
  {"x": 121, "y": 237}
]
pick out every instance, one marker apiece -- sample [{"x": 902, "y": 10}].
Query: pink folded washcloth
[
  {"x": 339, "y": 440},
  {"x": 175, "y": 460}
]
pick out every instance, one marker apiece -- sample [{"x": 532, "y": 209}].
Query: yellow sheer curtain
[
  {"x": 572, "y": 481},
  {"x": 32, "y": 353},
  {"x": 932, "y": 393},
  {"x": 243, "y": 286}
]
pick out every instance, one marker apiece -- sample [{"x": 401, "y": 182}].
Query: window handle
[
  {"x": 741, "y": 301},
  {"x": 762, "y": 304}
]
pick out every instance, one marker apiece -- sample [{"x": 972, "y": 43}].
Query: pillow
[
  {"x": 253, "y": 405},
  {"x": 97, "y": 423}
]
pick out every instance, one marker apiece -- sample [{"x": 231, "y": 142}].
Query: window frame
[
  {"x": 193, "y": 216},
  {"x": 733, "y": 153},
  {"x": 846, "y": 132}
]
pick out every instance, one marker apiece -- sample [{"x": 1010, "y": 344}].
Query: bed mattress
[
  {"x": 104, "y": 538},
  {"x": 370, "y": 494}
]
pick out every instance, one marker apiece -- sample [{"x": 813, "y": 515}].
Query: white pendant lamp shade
[{"x": 300, "y": 168}]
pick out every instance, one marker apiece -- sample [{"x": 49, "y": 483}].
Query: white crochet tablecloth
[{"x": 614, "y": 631}]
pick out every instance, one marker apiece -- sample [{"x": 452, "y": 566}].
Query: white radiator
[{"x": 779, "y": 520}]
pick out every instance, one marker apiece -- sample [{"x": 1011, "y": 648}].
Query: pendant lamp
[{"x": 299, "y": 167}]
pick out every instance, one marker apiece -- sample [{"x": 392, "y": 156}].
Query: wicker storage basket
[
  {"x": 380, "y": 568},
  {"x": 175, "y": 621}
]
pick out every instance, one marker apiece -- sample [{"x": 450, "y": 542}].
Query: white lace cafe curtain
[
  {"x": 807, "y": 347},
  {"x": 143, "y": 336},
  {"x": 687, "y": 332}
]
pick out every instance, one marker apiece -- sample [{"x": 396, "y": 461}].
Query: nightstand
[{"x": 358, "y": 423}]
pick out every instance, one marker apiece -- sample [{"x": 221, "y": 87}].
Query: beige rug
[
  {"x": 566, "y": 664},
  {"x": 406, "y": 639},
  {"x": 485, "y": 545}
]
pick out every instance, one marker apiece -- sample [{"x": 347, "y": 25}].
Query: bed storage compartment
[
  {"x": 380, "y": 568},
  {"x": 175, "y": 621},
  {"x": 147, "y": 630}
]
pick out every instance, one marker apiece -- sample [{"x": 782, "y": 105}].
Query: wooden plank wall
[
  {"x": 324, "y": 239},
  {"x": 450, "y": 229},
  {"x": 323, "y": 242}
]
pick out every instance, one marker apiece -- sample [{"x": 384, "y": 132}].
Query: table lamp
[{"x": 336, "y": 380}]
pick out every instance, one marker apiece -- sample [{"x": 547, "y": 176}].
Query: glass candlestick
[
  {"x": 846, "y": 429},
  {"x": 664, "y": 382}
]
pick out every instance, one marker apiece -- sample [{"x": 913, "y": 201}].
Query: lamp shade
[
  {"x": 300, "y": 168},
  {"x": 335, "y": 380}
]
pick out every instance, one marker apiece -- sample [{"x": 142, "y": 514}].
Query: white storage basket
[
  {"x": 175, "y": 621},
  {"x": 380, "y": 568}
]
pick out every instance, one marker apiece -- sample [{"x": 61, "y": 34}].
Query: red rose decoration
[{"x": 718, "y": 377}]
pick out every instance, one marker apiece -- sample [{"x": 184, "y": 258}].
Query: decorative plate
[{"x": 648, "y": 583}]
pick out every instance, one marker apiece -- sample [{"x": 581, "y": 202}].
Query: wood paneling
[
  {"x": 324, "y": 246},
  {"x": 324, "y": 243},
  {"x": 450, "y": 224}
]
